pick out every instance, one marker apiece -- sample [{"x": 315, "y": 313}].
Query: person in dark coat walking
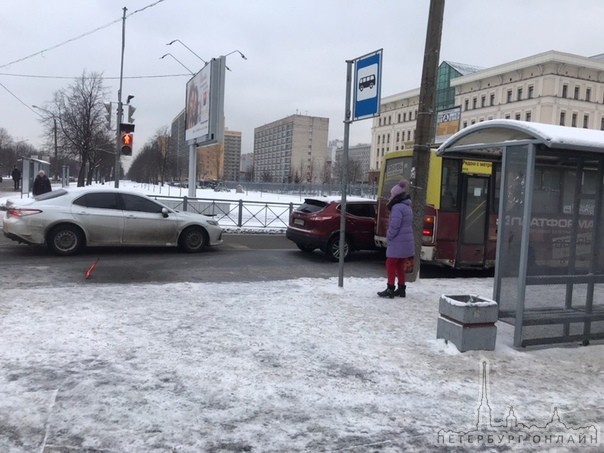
[
  {"x": 16, "y": 175},
  {"x": 401, "y": 244},
  {"x": 41, "y": 184}
]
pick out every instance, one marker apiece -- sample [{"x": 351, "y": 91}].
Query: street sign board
[{"x": 367, "y": 86}]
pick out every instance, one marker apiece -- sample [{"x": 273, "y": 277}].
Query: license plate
[{"x": 299, "y": 222}]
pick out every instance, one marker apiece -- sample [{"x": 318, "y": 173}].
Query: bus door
[{"x": 473, "y": 220}]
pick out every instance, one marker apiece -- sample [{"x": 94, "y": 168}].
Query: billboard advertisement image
[{"x": 198, "y": 105}]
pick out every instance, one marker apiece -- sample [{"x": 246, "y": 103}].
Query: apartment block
[
  {"x": 292, "y": 149},
  {"x": 178, "y": 146},
  {"x": 232, "y": 155},
  {"x": 358, "y": 163}
]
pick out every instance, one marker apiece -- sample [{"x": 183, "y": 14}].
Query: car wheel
[
  {"x": 306, "y": 248},
  {"x": 65, "y": 239},
  {"x": 193, "y": 239},
  {"x": 333, "y": 248}
]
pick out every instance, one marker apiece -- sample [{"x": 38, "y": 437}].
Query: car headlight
[{"x": 212, "y": 222}]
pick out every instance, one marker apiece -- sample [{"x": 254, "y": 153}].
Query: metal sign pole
[
  {"x": 347, "y": 116},
  {"x": 192, "y": 169},
  {"x": 365, "y": 104}
]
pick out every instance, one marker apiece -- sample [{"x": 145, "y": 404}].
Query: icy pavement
[{"x": 287, "y": 366}]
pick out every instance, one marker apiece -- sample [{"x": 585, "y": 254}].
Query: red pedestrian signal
[{"x": 126, "y": 141}]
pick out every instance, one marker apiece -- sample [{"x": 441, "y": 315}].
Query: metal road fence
[
  {"x": 256, "y": 214},
  {"x": 234, "y": 213}
]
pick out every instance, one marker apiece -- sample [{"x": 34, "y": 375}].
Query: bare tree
[
  {"x": 8, "y": 156},
  {"x": 355, "y": 171},
  {"x": 82, "y": 132},
  {"x": 162, "y": 139},
  {"x": 326, "y": 174},
  {"x": 152, "y": 163}
]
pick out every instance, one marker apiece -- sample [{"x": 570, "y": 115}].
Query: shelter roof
[{"x": 482, "y": 138}]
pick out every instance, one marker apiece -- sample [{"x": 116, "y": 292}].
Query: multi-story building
[
  {"x": 358, "y": 163},
  {"x": 292, "y": 149},
  {"x": 551, "y": 87},
  {"x": 210, "y": 162},
  {"x": 232, "y": 155},
  {"x": 178, "y": 147},
  {"x": 246, "y": 170},
  {"x": 332, "y": 149},
  {"x": 213, "y": 162}
]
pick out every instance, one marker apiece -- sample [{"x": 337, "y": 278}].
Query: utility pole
[
  {"x": 423, "y": 131},
  {"x": 56, "y": 175},
  {"x": 118, "y": 144}
]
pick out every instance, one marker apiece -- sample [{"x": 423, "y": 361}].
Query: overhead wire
[
  {"x": 34, "y": 76},
  {"x": 56, "y": 46},
  {"x": 18, "y": 99}
]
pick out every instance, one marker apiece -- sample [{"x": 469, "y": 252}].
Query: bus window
[
  {"x": 395, "y": 169},
  {"x": 449, "y": 186},
  {"x": 546, "y": 191},
  {"x": 497, "y": 191},
  {"x": 589, "y": 187},
  {"x": 589, "y": 182}
]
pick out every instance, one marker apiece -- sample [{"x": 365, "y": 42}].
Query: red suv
[{"x": 316, "y": 224}]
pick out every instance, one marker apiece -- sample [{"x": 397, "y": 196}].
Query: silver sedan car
[{"x": 65, "y": 220}]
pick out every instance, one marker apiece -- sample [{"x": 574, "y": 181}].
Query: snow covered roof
[
  {"x": 463, "y": 68},
  {"x": 487, "y": 137}
]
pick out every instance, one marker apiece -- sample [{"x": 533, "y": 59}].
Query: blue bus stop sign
[{"x": 367, "y": 86}]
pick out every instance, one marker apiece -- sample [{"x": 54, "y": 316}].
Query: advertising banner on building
[{"x": 447, "y": 124}]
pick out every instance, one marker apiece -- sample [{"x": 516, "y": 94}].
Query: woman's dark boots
[
  {"x": 388, "y": 292},
  {"x": 401, "y": 291}
]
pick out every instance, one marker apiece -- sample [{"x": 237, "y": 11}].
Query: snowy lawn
[{"x": 287, "y": 366}]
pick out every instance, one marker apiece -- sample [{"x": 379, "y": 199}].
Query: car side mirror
[{"x": 164, "y": 212}]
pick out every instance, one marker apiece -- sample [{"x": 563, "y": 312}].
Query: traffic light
[
  {"x": 126, "y": 141},
  {"x": 131, "y": 111},
  {"x": 108, "y": 115}
]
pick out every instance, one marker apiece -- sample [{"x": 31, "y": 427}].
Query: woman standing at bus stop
[{"x": 401, "y": 245}]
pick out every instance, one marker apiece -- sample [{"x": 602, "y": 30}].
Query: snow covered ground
[
  {"x": 285, "y": 366},
  {"x": 298, "y": 365},
  {"x": 171, "y": 191}
]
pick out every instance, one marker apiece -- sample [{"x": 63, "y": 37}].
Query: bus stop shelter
[
  {"x": 549, "y": 271},
  {"x": 30, "y": 168}
]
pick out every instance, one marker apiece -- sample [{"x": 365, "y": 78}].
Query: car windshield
[
  {"x": 50, "y": 195},
  {"x": 311, "y": 206}
]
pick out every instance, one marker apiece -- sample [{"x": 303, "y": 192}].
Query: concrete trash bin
[{"x": 467, "y": 321}]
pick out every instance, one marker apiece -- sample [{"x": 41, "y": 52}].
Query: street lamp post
[
  {"x": 186, "y": 47},
  {"x": 202, "y": 60},
  {"x": 177, "y": 60}
]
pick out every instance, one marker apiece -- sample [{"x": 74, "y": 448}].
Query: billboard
[
  {"x": 204, "y": 112},
  {"x": 447, "y": 124}
]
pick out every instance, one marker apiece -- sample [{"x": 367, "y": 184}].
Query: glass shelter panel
[
  {"x": 551, "y": 288},
  {"x": 512, "y": 197}
]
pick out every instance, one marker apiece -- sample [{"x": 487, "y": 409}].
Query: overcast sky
[{"x": 296, "y": 51}]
